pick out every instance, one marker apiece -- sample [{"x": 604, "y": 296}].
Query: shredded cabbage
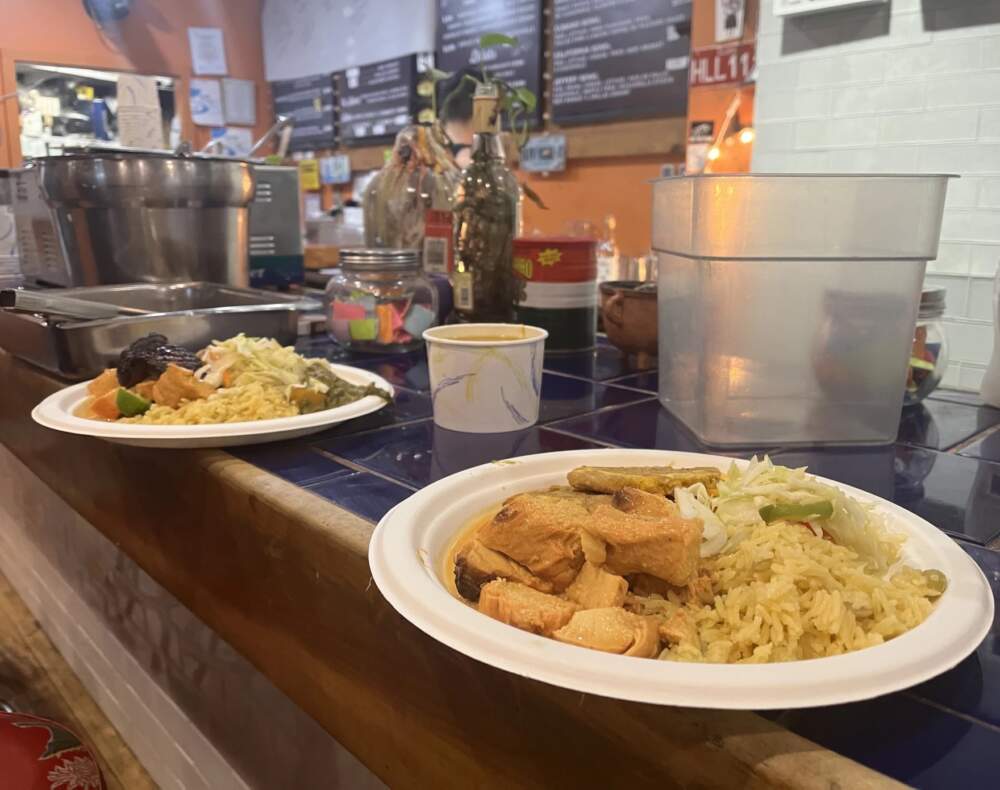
[
  {"x": 257, "y": 360},
  {"x": 743, "y": 492},
  {"x": 694, "y": 502}
]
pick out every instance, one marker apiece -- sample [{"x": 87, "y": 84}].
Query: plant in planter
[{"x": 421, "y": 181}]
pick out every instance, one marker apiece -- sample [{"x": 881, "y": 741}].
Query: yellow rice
[
  {"x": 785, "y": 594},
  {"x": 234, "y": 404}
]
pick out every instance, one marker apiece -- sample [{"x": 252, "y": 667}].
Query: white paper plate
[
  {"x": 408, "y": 547},
  {"x": 56, "y": 412}
]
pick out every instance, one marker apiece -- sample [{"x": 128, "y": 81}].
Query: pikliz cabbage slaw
[{"x": 730, "y": 516}]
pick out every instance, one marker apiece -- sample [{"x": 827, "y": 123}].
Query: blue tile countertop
[{"x": 944, "y": 466}]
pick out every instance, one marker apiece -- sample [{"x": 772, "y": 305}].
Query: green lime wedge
[{"x": 130, "y": 404}]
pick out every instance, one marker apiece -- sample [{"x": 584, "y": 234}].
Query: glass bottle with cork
[{"x": 486, "y": 211}]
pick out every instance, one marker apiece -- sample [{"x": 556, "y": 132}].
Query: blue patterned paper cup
[{"x": 488, "y": 385}]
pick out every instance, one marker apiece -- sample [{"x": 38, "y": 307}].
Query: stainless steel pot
[{"x": 145, "y": 216}]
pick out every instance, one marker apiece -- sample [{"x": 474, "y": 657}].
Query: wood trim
[
  {"x": 650, "y": 137},
  {"x": 370, "y": 157},
  {"x": 656, "y": 136},
  {"x": 37, "y": 680},
  {"x": 282, "y": 575}
]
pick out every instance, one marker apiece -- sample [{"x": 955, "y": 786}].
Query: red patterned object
[{"x": 40, "y": 754}]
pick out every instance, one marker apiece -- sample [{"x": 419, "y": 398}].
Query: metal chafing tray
[{"x": 190, "y": 314}]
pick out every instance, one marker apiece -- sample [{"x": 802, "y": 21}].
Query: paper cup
[{"x": 485, "y": 386}]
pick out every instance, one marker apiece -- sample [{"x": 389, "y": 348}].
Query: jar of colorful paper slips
[{"x": 379, "y": 301}]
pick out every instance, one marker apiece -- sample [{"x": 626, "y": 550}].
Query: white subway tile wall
[{"x": 909, "y": 87}]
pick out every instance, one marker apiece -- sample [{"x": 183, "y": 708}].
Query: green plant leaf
[
  {"x": 533, "y": 196},
  {"x": 436, "y": 74},
  {"x": 527, "y": 98},
  {"x": 522, "y": 134},
  {"x": 496, "y": 40},
  {"x": 470, "y": 78}
]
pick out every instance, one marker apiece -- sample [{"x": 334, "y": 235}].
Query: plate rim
[
  {"x": 515, "y": 651},
  {"x": 55, "y": 412}
]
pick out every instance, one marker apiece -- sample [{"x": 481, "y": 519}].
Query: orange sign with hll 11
[{"x": 721, "y": 65}]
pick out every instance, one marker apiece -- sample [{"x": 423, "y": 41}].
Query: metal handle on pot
[{"x": 283, "y": 122}]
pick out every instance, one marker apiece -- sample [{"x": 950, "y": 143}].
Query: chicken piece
[
  {"x": 542, "y": 533},
  {"x": 106, "y": 406},
  {"x": 698, "y": 590},
  {"x": 644, "y": 584},
  {"x": 640, "y": 503},
  {"x": 476, "y": 565},
  {"x": 679, "y": 627},
  {"x": 652, "y": 479},
  {"x": 103, "y": 384},
  {"x": 595, "y": 588},
  {"x": 665, "y": 547},
  {"x": 144, "y": 389},
  {"x": 612, "y": 630},
  {"x": 595, "y": 550},
  {"x": 178, "y": 384},
  {"x": 520, "y": 606}
]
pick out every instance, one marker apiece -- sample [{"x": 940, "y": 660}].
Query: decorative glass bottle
[
  {"x": 486, "y": 206},
  {"x": 412, "y": 192}
]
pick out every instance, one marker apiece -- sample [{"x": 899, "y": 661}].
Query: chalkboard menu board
[
  {"x": 310, "y": 102},
  {"x": 461, "y": 23},
  {"x": 379, "y": 99},
  {"x": 620, "y": 60}
]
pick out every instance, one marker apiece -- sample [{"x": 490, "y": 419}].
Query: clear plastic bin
[{"x": 787, "y": 302}]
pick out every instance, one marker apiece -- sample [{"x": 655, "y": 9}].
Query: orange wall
[
  {"x": 151, "y": 40},
  {"x": 593, "y": 189}
]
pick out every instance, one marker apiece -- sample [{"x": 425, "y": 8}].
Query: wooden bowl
[{"x": 630, "y": 316}]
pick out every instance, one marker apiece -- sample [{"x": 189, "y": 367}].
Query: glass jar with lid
[
  {"x": 929, "y": 355},
  {"x": 379, "y": 301}
]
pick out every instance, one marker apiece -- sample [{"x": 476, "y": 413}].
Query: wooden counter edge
[{"x": 282, "y": 575}]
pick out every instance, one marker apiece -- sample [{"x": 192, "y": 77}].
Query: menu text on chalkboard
[
  {"x": 460, "y": 25},
  {"x": 619, "y": 60},
  {"x": 310, "y": 101},
  {"x": 379, "y": 99}
]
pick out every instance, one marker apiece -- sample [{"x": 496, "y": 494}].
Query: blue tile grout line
[
  {"x": 974, "y": 439},
  {"x": 914, "y": 695},
  {"x": 614, "y": 383},
  {"x": 355, "y": 466},
  {"x": 602, "y": 410},
  {"x": 554, "y": 429},
  {"x": 606, "y": 383},
  {"x": 954, "y": 451}
]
